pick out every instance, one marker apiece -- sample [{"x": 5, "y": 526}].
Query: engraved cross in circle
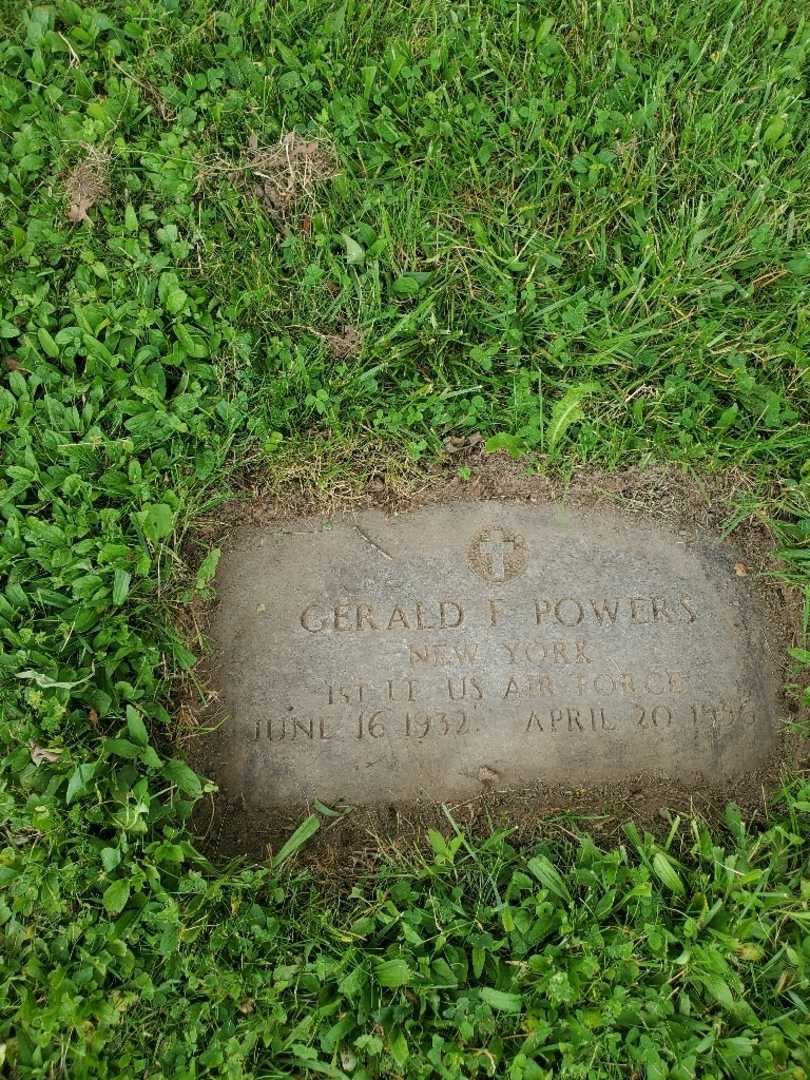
[{"x": 496, "y": 551}]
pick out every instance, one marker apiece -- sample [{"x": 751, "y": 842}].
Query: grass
[{"x": 581, "y": 230}]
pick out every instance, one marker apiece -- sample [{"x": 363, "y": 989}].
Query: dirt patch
[
  {"x": 86, "y": 183},
  {"x": 685, "y": 504},
  {"x": 286, "y": 174},
  {"x": 364, "y": 838}
]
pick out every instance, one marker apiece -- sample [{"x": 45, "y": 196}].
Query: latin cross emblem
[{"x": 497, "y": 553}]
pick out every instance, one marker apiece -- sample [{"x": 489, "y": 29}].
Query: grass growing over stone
[{"x": 579, "y": 230}]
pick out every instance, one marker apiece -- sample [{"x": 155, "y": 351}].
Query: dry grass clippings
[
  {"x": 286, "y": 174},
  {"x": 87, "y": 183},
  {"x": 347, "y": 342}
]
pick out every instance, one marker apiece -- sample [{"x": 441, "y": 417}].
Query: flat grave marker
[{"x": 434, "y": 654}]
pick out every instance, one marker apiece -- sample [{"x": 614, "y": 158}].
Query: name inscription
[
  {"x": 371, "y": 660},
  {"x": 452, "y": 615}
]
